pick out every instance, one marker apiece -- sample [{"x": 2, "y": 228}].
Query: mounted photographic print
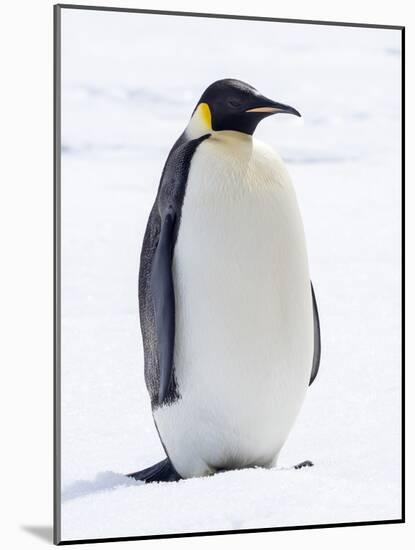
[{"x": 228, "y": 274}]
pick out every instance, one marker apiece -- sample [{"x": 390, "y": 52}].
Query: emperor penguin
[{"x": 228, "y": 315}]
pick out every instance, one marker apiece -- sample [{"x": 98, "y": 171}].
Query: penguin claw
[{"x": 304, "y": 464}]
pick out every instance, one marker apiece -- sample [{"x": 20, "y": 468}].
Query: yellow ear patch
[{"x": 205, "y": 115}]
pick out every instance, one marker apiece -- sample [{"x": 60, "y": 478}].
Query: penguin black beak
[{"x": 269, "y": 107}]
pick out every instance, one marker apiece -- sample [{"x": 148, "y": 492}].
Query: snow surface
[{"x": 130, "y": 82}]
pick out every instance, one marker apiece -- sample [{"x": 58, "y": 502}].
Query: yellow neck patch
[{"x": 203, "y": 111}]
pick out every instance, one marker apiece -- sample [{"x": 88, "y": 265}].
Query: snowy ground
[{"x": 129, "y": 84}]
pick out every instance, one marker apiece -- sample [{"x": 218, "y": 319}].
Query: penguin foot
[
  {"x": 304, "y": 464},
  {"x": 162, "y": 471}
]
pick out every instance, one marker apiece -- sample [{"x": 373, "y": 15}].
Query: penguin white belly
[{"x": 244, "y": 322}]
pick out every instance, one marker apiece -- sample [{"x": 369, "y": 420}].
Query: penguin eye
[{"x": 234, "y": 103}]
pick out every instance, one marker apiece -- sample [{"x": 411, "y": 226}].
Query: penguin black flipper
[
  {"x": 162, "y": 471},
  {"x": 317, "y": 340},
  {"x": 156, "y": 290}
]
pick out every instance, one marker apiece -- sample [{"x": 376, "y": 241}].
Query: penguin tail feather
[{"x": 162, "y": 471}]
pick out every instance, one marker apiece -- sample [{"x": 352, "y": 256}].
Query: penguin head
[{"x": 231, "y": 104}]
